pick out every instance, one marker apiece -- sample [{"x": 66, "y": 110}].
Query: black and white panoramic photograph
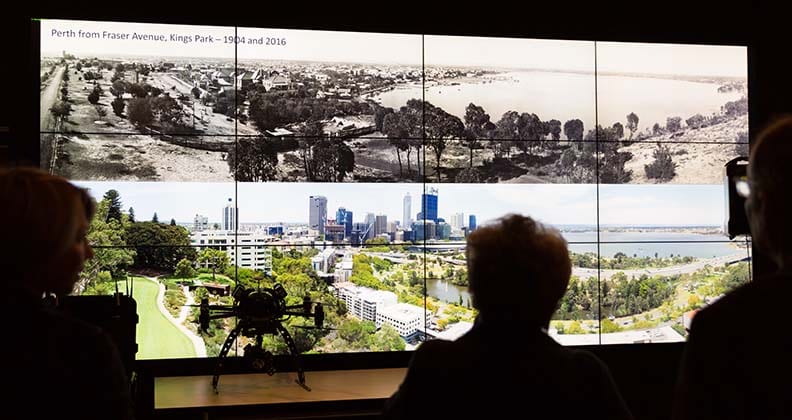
[
  {"x": 191, "y": 91},
  {"x": 670, "y": 113},
  {"x": 503, "y": 110},
  {"x": 124, "y": 100}
]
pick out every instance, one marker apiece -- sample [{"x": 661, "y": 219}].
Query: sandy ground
[
  {"x": 697, "y": 163},
  {"x": 137, "y": 158}
]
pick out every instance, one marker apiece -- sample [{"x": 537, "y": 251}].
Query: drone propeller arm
[
  {"x": 221, "y": 316},
  {"x": 305, "y": 314}
]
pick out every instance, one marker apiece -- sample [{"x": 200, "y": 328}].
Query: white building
[
  {"x": 457, "y": 221},
  {"x": 363, "y": 302},
  {"x": 343, "y": 270},
  {"x": 200, "y": 222},
  {"x": 405, "y": 318},
  {"x": 322, "y": 262},
  {"x": 244, "y": 249}
]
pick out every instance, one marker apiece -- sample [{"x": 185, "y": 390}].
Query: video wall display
[{"x": 350, "y": 167}]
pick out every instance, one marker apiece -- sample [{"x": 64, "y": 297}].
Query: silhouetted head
[
  {"x": 769, "y": 205},
  {"x": 518, "y": 269},
  {"x": 45, "y": 220}
]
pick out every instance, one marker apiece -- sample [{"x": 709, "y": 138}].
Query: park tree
[
  {"x": 119, "y": 87},
  {"x": 173, "y": 222},
  {"x": 331, "y": 160},
  {"x": 696, "y": 121},
  {"x": 632, "y": 123},
  {"x": 356, "y": 332},
  {"x": 554, "y": 128},
  {"x": 440, "y": 127},
  {"x": 387, "y": 339},
  {"x": 60, "y": 111},
  {"x": 184, "y": 269},
  {"x": 254, "y": 159},
  {"x": 673, "y": 124},
  {"x": 131, "y": 215},
  {"x": 380, "y": 113},
  {"x": 154, "y": 218},
  {"x": 136, "y": 90},
  {"x": 396, "y": 128},
  {"x": 139, "y": 112},
  {"x": 114, "y": 205},
  {"x": 107, "y": 236},
  {"x": 477, "y": 126},
  {"x": 118, "y": 105},
  {"x": 215, "y": 259},
  {"x": 573, "y": 130},
  {"x": 168, "y": 111},
  {"x": 93, "y": 97},
  {"x": 170, "y": 244},
  {"x": 663, "y": 168},
  {"x": 618, "y": 130}
]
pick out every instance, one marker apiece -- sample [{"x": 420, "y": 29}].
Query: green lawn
[{"x": 157, "y": 337}]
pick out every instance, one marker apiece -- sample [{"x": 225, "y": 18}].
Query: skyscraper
[
  {"x": 317, "y": 213},
  {"x": 381, "y": 224},
  {"x": 458, "y": 221},
  {"x": 406, "y": 210},
  {"x": 344, "y": 217},
  {"x": 370, "y": 221},
  {"x": 230, "y": 216},
  {"x": 471, "y": 223},
  {"x": 429, "y": 204}
]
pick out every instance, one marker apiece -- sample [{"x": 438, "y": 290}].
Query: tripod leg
[
  {"x": 297, "y": 361},
  {"x": 223, "y": 353}
]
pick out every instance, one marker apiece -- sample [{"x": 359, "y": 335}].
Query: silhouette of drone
[{"x": 260, "y": 311}]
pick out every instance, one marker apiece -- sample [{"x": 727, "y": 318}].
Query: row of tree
[{"x": 619, "y": 296}]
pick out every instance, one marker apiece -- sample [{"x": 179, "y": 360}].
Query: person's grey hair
[
  {"x": 517, "y": 267},
  {"x": 41, "y": 213}
]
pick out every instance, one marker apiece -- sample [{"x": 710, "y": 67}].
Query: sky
[
  {"x": 557, "y": 204},
  {"x": 381, "y": 48},
  {"x": 299, "y": 44}
]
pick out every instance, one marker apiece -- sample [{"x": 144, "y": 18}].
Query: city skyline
[
  {"x": 397, "y": 49},
  {"x": 565, "y": 204}
]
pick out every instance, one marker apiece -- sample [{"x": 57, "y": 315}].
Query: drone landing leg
[
  {"x": 297, "y": 361},
  {"x": 223, "y": 353}
]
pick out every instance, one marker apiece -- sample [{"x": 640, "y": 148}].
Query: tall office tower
[
  {"x": 406, "y": 210},
  {"x": 429, "y": 204},
  {"x": 370, "y": 220},
  {"x": 344, "y": 217},
  {"x": 317, "y": 213},
  {"x": 230, "y": 216},
  {"x": 381, "y": 224},
  {"x": 471, "y": 223},
  {"x": 457, "y": 221}
]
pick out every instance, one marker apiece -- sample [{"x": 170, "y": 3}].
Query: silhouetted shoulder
[
  {"x": 749, "y": 303},
  {"x": 66, "y": 359}
]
